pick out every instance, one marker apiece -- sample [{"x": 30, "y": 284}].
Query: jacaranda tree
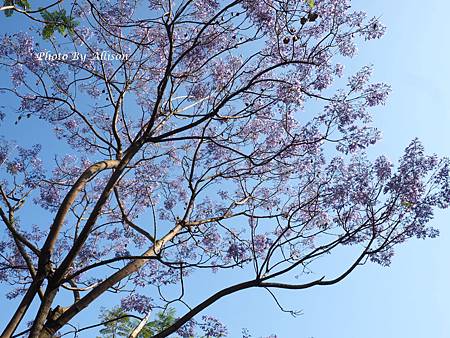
[{"x": 197, "y": 134}]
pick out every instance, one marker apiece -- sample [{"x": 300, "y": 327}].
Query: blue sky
[{"x": 411, "y": 298}]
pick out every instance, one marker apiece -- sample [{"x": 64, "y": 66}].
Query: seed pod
[{"x": 312, "y": 16}]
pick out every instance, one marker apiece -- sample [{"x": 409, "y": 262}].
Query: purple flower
[
  {"x": 346, "y": 45},
  {"x": 15, "y": 167},
  {"x": 324, "y": 79},
  {"x": 71, "y": 124},
  {"x": 383, "y": 168},
  {"x": 260, "y": 12},
  {"x": 212, "y": 327},
  {"x": 212, "y": 240},
  {"x": 49, "y": 197},
  {"x": 383, "y": 257},
  {"x": 357, "y": 81},
  {"x": 356, "y": 19},
  {"x": 374, "y": 30},
  {"x": 187, "y": 330},
  {"x": 237, "y": 252},
  {"x": 339, "y": 70},
  {"x": 17, "y": 75},
  {"x": 377, "y": 94},
  {"x": 261, "y": 243},
  {"x": 136, "y": 302}
]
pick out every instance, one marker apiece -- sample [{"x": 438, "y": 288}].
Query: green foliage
[
  {"x": 311, "y": 3},
  {"x": 163, "y": 320},
  {"x": 114, "y": 327},
  {"x": 407, "y": 204},
  {"x": 123, "y": 326},
  {"x": 57, "y": 21},
  {"x": 22, "y": 4}
]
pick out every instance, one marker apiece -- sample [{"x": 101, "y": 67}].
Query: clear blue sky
[{"x": 411, "y": 299}]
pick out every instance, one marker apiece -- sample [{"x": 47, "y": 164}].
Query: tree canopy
[{"x": 200, "y": 135}]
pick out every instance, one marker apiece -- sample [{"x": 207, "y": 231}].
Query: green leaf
[
  {"x": 58, "y": 21},
  {"x": 311, "y": 3},
  {"x": 61, "y": 29},
  {"x": 24, "y": 4},
  {"x": 48, "y": 31},
  {"x": 71, "y": 30},
  {"x": 46, "y": 15},
  {"x": 8, "y": 12},
  {"x": 407, "y": 204}
]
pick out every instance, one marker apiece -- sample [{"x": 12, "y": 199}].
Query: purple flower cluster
[
  {"x": 237, "y": 252},
  {"x": 227, "y": 125},
  {"x": 360, "y": 79},
  {"x": 260, "y": 244},
  {"x": 347, "y": 46},
  {"x": 212, "y": 327},
  {"x": 373, "y": 30},
  {"x": 17, "y": 75},
  {"x": 136, "y": 302},
  {"x": 261, "y": 12},
  {"x": 188, "y": 329},
  {"x": 383, "y": 168},
  {"x": 377, "y": 94}
]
